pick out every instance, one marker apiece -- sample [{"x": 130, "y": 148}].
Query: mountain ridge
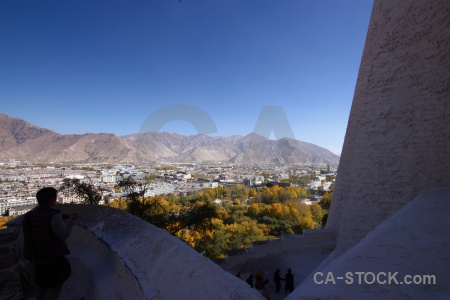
[{"x": 23, "y": 141}]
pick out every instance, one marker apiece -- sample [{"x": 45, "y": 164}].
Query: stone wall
[
  {"x": 401, "y": 259},
  {"x": 15, "y": 279},
  {"x": 115, "y": 255},
  {"x": 398, "y": 135}
]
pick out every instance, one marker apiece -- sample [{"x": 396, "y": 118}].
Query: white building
[
  {"x": 313, "y": 184},
  {"x": 6, "y": 204},
  {"x": 325, "y": 186},
  {"x": 110, "y": 178},
  {"x": 69, "y": 198},
  {"x": 209, "y": 184}
]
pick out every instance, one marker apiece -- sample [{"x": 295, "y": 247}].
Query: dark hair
[{"x": 45, "y": 195}]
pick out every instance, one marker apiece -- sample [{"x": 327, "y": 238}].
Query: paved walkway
[{"x": 302, "y": 255}]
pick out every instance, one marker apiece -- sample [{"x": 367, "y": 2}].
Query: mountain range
[{"x": 21, "y": 140}]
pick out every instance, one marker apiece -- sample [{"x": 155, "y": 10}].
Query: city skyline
[{"x": 84, "y": 67}]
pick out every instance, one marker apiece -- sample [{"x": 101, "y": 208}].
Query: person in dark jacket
[
  {"x": 289, "y": 277},
  {"x": 250, "y": 280},
  {"x": 277, "y": 278},
  {"x": 44, "y": 243}
]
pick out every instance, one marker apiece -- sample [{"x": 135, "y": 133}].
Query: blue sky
[{"x": 107, "y": 66}]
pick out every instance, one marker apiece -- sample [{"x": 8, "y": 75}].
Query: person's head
[
  {"x": 289, "y": 271},
  {"x": 47, "y": 195}
]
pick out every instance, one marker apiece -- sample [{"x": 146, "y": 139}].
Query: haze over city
[{"x": 103, "y": 66}]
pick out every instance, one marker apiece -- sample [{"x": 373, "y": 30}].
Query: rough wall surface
[
  {"x": 400, "y": 245},
  {"x": 398, "y": 135}
]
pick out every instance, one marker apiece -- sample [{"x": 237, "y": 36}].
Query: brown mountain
[{"x": 22, "y": 141}]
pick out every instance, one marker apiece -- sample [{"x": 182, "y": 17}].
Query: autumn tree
[
  {"x": 253, "y": 210},
  {"x": 134, "y": 194},
  {"x": 305, "y": 221},
  {"x": 288, "y": 193},
  {"x": 326, "y": 199},
  {"x": 316, "y": 212},
  {"x": 199, "y": 218}
]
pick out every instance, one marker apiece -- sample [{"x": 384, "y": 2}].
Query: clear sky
[{"x": 106, "y": 66}]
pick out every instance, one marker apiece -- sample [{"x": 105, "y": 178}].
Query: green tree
[{"x": 199, "y": 217}]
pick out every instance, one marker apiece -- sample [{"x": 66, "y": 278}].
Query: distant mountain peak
[{"x": 22, "y": 141}]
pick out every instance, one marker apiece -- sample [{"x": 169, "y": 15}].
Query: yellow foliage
[
  {"x": 4, "y": 220},
  {"x": 316, "y": 211},
  {"x": 252, "y": 192},
  {"x": 190, "y": 237},
  {"x": 119, "y": 204},
  {"x": 222, "y": 213},
  {"x": 253, "y": 209},
  {"x": 275, "y": 210},
  {"x": 306, "y": 222},
  {"x": 327, "y": 199}
]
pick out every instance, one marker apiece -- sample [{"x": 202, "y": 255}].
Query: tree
[
  {"x": 198, "y": 217},
  {"x": 326, "y": 199},
  {"x": 252, "y": 193},
  {"x": 212, "y": 243},
  {"x": 253, "y": 210},
  {"x": 305, "y": 221},
  {"x": 275, "y": 210},
  {"x": 316, "y": 211},
  {"x": 134, "y": 194},
  {"x": 90, "y": 193},
  {"x": 161, "y": 213},
  {"x": 288, "y": 193}
]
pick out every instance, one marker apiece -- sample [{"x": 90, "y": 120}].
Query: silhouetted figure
[
  {"x": 238, "y": 274},
  {"x": 44, "y": 244},
  {"x": 277, "y": 278},
  {"x": 265, "y": 289},
  {"x": 289, "y": 287},
  {"x": 259, "y": 281},
  {"x": 250, "y": 280}
]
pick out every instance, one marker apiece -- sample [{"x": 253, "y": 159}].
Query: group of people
[{"x": 288, "y": 278}]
